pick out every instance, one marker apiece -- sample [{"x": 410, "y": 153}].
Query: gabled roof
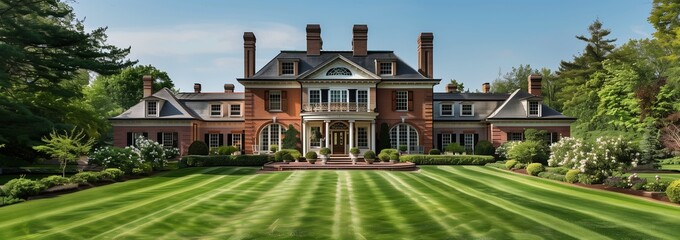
[
  {"x": 171, "y": 108},
  {"x": 512, "y": 108},
  {"x": 309, "y": 63}
]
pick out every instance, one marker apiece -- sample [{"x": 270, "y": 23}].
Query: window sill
[
  {"x": 401, "y": 110},
  {"x": 276, "y": 111}
]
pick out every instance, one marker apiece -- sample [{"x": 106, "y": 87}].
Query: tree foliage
[
  {"x": 124, "y": 90},
  {"x": 290, "y": 138},
  {"x": 67, "y": 147},
  {"x": 517, "y": 78}
]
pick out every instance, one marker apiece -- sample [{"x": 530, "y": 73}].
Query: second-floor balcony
[{"x": 338, "y": 107}]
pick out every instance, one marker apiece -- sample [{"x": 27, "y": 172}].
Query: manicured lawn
[
  {"x": 435, "y": 203},
  {"x": 664, "y": 176},
  {"x": 671, "y": 167}
]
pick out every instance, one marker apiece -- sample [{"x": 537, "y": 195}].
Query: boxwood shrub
[
  {"x": 435, "y": 151},
  {"x": 572, "y": 176},
  {"x": 22, "y": 188},
  {"x": 54, "y": 180},
  {"x": 86, "y": 177},
  {"x": 535, "y": 168},
  {"x": 112, "y": 174},
  {"x": 447, "y": 159},
  {"x": 673, "y": 191},
  {"x": 224, "y": 160},
  {"x": 198, "y": 148},
  {"x": 287, "y": 154},
  {"x": 510, "y": 164},
  {"x": 551, "y": 175}
]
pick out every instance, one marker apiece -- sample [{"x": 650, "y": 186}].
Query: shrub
[
  {"x": 535, "y": 168},
  {"x": 552, "y": 176},
  {"x": 598, "y": 160},
  {"x": 147, "y": 168},
  {"x": 23, "y": 188},
  {"x": 499, "y": 164},
  {"x": 354, "y": 151},
  {"x": 171, "y": 153},
  {"x": 394, "y": 157},
  {"x": 616, "y": 182},
  {"x": 403, "y": 148},
  {"x": 290, "y": 138},
  {"x": 369, "y": 155},
  {"x": 151, "y": 152},
  {"x": 198, "y": 148},
  {"x": 529, "y": 152},
  {"x": 324, "y": 151},
  {"x": 454, "y": 148},
  {"x": 385, "y": 154},
  {"x": 484, "y": 147},
  {"x": 85, "y": 177},
  {"x": 384, "y": 157},
  {"x": 435, "y": 151},
  {"x": 656, "y": 186},
  {"x": 113, "y": 157},
  {"x": 510, "y": 164},
  {"x": 558, "y": 170},
  {"x": 520, "y": 165},
  {"x": 447, "y": 159},
  {"x": 287, "y": 154},
  {"x": 536, "y": 135},
  {"x": 311, "y": 155},
  {"x": 588, "y": 179},
  {"x": 503, "y": 149},
  {"x": 572, "y": 176},
  {"x": 226, "y": 160},
  {"x": 54, "y": 180},
  {"x": 139, "y": 171},
  {"x": 673, "y": 191},
  {"x": 273, "y": 148},
  {"x": 114, "y": 174},
  {"x": 635, "y": 182}
]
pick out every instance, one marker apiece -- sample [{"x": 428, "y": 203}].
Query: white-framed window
[
  {"x": 287, "y": 68},
  {"x": 168, "y": 139},
  {"x": 469, "y": 142},
  {"x": 362, "y": 137},
  {"x": 385, "y": 68},
  {"x": 362, "y": 96},
  {"x": 275, "y": 100},
  {"x": 515, "y": 136},
  {"x": 215, "y": 110},
  {"x": 552, "y": 137},
  {"x": 467, "y": 110},
  {"x": 338, "y": 96},
  {"x": 315, "y": 96},
  {"x": 213, "y": 140},
  {"x": 339, "y": 71},
  {"x": 152, "y": 108},
  {"x": 446, "y": 110},
  {"x": 402, "y": 101},
  {"x": 135, "y": 136},
  {"x": 235, "y": 110},
  {"x": 534, "y": 109},
  {"x": 271, "y": 135},
  {"x": 236, "y": 140},
  {"x": 404, "y": 134},
  {"x": 315, "y": 137},
  {"x": 446, "y": 139}
]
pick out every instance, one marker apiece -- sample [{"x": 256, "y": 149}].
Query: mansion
[{"x": 339, "y": 100}]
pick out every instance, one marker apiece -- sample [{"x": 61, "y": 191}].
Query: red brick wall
[
  {"x": 257, "y": 117},
  {"x": 499, "y": 135},
  {"x": 420, "y": 117},
  {"x": 184, "y": 133}
]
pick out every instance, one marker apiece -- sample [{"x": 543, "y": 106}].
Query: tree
[
  {"x": 384, "y": 137},
  {"x": 66, "y": 147},
  {"x": 460, "y": 85},
  {"x": 513, "y": 80},
  {"x": 290, "y": 138},
  {"x": 664, "y": 18},
  {"x": 125, "y": 88},
  {"x": 649, "y": 144},
  {"x": 617, "y": 97}
]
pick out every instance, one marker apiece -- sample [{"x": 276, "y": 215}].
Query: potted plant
[
  {"x": 273, "y": 149},
  {"x": 369, "y": 157},
  {"x": 311, "y": 157},
  {"x": 324, "y": 154},
  {"x": 402, "y": 149},
  {"x": 355, "y": 154},
  {"x": 394, "y": 158}
]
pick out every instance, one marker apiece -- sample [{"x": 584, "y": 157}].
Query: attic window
[
  {"x": 339, "y": 71},
  {"x": 152, "y": 108},
  {"x": 385, "y": 68},
  {"x": 534, "y": 109},
  {"x": 288, "y": 66}
]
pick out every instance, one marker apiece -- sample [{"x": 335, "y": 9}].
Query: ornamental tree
[{"x": 67, "y": 147}]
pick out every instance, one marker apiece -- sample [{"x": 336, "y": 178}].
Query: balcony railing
[{"x": 337, "y": 107}]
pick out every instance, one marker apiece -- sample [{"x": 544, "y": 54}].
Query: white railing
[{"x": 337, "y": 107}]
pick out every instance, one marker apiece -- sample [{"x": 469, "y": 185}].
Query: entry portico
[{"x": 338, "y": 131}]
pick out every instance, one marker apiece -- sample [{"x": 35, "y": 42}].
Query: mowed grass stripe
[
  {"x": 298, "y": 206},
  {"x": 144, "y": 203},
  {"x": 539, "y": 218},
  {"x": 155, "y": 182},
  {"x": 354, "y": 211},
  {"x": 385, "y": 216}
]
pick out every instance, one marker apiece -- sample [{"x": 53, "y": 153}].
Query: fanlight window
[{"x": 339, "y": 71}]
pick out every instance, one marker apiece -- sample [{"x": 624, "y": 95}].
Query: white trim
[
  {"x": 210, "y": 111},
  {"x": 540, "y": 105},
  {"x": 441, "y": 105},
  {"x": 270, "y": 84},
  {"x": 414, "y": 84},
  {"x": 332, "y": 63},
  {"x": 461, "y": 109},
  {"x": 532, "y": 124},
  {"x": 240, "y": 111},
  {"x": 146, "y": 108}
]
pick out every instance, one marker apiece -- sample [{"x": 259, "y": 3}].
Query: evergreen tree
[
  {"x": 290, "y": 138},
  {"x": 513, "y": 80},
  {"x": 384, "y": 137}
]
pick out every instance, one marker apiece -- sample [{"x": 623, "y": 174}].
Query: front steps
[{"x": 338, "y": 164}]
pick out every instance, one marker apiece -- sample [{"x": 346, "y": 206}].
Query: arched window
[
  {"x": 338, "y": 71},
  {"x": 271, "y": 135},
  {"x": 404, "y": 134}
]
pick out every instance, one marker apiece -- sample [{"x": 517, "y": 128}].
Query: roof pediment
[{"x": 338, "y": 67}]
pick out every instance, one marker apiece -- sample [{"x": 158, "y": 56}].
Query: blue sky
[{"x": 201, "y": 41}]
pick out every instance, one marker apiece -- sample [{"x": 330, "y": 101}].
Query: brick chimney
[
  {"x": 425, "y": 46},
  {"x": 228, "y": 88},
  {"x": 535, "y": 84},
  {"x": 486, "y": 87},
  {"x": 360, "y": 40},
  {"x": 197, "y": 88},
  {"x": 314, "y": 42},
  {"x": 451, "y": 88},
  {"x": 248, "y": 54},
  {"x": 148, "y": 85}
]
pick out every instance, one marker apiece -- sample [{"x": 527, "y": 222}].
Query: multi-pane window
[
  {"x": 446, "y": 139},
  {"x": 287, "y": 68},
  {"x": 270, "y": 136},
  {"x": 552, "y": 137},
  {"x": 167, "y": 139},
  {"x": 314, "y": 96},
  {"x": 214, "y": 140},
  {"x": 466, "y": 110},
  {"x": 385, "y": 68},
  {"x": 338, "y": 96},
  {"x": 534, "y": 109},
  {"x": 152, "y": 108},
  {"x": 404, "y": 134},
  {"x": 362, "y": 137},
  {"x": 402, "y": 101},
  {"x": 339, "y": 71},
  {"x": 135, "y": 136},
  {"x": 315, "y": 137},
  {"x": 275, "y": 100},
  {"x": 215, "y": 110},
  {"x": 447, "y": 110},
  {"x": 515, "y": 136},
  {"x": 236, "y": 140},
  {"x": 469, "y": 142},
  {"x": 362, "y": 96},
  {"x": 235, "y": 110}
]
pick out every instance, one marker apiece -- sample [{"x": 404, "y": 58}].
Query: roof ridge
[{"x": 493, "y": 114}]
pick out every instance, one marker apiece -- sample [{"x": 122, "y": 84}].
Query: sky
[{"x": 202, "y": 41}]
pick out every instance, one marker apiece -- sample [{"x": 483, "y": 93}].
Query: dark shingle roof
[
  {"x": 189, "y": 96},
  {"x": 171, "y": 109},
  {"x": 471, "y": 96},
  {"x": 513, "y": 109},
  {"x": 307, "y": 63}
]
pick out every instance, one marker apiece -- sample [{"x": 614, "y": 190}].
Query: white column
[
  {"x": 351, "y": 134},
  {"x": 373, "y": 135},
  {"x": 304, "y": 137},
  {"x": 328, "y": 134}
]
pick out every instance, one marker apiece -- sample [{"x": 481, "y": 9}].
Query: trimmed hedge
[
  {"x": 510, "y": 164},
  {"x": 287, "y": 154},
  {"x": 86, "y": 177},
  {"x": 435, "y": 151},
  {"x": 112, "y": 174},
  {"x": 484, "y": 147},
  {"x": 198, "y": 148},
  {"x": 572, "y": 176},
  {"x": 535, "y": 168},
  {"x": 224, "y": 160},
  {"x": 551, "y": 175},
  {"x": 673, "y": 191},
  {"x": 22, "y": 188},
  {"x": 447, "y": 159}
]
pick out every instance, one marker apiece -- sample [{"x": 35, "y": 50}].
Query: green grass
[
  {"x": 439, "y": 202},
  {"x": 664, "y": 176},
  {"x": 671, "y": 167}
]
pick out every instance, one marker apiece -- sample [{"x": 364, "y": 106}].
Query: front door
[{"x": 338, "y": 142}]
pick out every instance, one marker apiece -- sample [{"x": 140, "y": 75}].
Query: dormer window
[
  {"x": 152, "y": 108},
  {"x": 339, "y": 71},
  {"x": 215, "y": 110},
  {"x": 446, "y": 110},
  {"x": 385, "y": 68},
  {"x": 288, "y": 67},
  {"x": 467, "y": 110},
  {"x": 534, "y": 109}
]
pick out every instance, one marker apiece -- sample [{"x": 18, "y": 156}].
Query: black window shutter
[
  {"x": 146, "y": 135},
  {"x": 509, "y": 135},
  {"x": 129, "y": 139},
  {"x": 229, "y": 142},
  {"x": 453, "y": 137},
  {"x": 175, "y": 139},
  {"x": 462, "y": 139},
  {"x": 159, "y": 137},
  {"x": 324, "y": 95},
  {"x": 207, "y": 139},
  {"x": 221, "y": 139},
  {"x": 352, "y": 95},
  {"x": 243, "y": 141},
  {"x": 476, "y": 139},
  {"x": 439, "y": 142}
]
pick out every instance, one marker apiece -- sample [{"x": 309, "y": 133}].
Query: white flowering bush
[
  {"x": 503, "y": 149},
  {"x": 124, "y": 159},
  {"x": 154, "y": 153},
  {"x": 597, "y": 160}
]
